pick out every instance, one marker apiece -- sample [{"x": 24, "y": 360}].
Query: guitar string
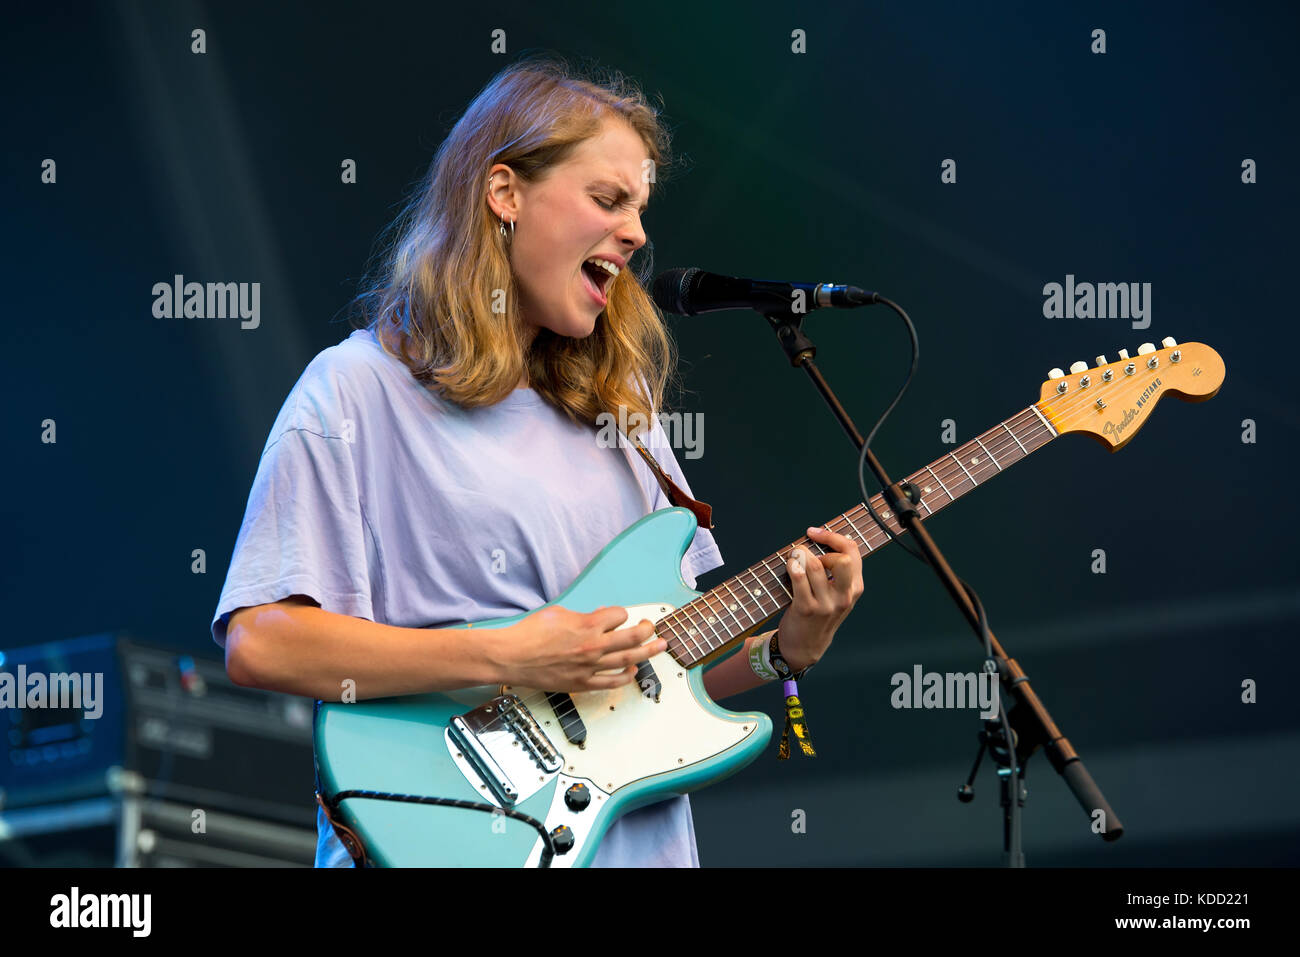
[{"x": 1069, "y": 412}]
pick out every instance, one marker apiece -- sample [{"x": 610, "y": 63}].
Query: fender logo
[{"x": 1115, "y": 430}]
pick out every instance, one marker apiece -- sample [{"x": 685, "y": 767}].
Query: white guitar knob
[
  {"x": 1145, "y": 348},
  {"x": 1077, "y": 367},
  {"x": 1100, "y": 360},
  {"x": 1123, "y": 353},
  {"x": 1056, "y": 374},
  {"x": 1168, "y": 342}
]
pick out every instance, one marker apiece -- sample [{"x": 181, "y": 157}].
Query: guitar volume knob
[
  {"x": 562, "y": 838},
  {"x": 577, "y": 798}
]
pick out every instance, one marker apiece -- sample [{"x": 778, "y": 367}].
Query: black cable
[
  {"x": 548, "y": 846},
  {"x": 862, "y": 456}
]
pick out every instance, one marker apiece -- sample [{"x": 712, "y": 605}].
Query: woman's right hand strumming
[{"x": 555, "y": 649}]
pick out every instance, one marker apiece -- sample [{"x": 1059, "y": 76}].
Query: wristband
[
  {"x": 760, "y": 660},
  {"x": 778, "y": 662},
  {"x": 795, "y": 718}
]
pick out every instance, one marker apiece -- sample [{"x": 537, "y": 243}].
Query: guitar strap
[{"x": 703, "y": 511}]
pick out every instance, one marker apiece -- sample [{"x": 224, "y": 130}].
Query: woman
[{"x": 440, "y": 465}]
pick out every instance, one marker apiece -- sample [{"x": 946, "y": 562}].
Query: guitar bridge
[{"x": 503, "y": 750}]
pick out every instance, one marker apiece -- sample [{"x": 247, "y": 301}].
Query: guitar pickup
[
  {"x": 648, "y": 681},
  {"x": 570, "y": 721}
]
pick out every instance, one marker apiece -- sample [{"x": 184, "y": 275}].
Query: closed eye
[{"x": 611, "y": 204}]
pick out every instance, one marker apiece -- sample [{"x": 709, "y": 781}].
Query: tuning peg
[
  {"x": 1145, "y": 348},
  {"x": 1077, "y": 367},
  {"x": 1100, "y": 360},
  {"x": 1168, "y": 342},
  {"x": 1123, "y": 353},
  {"x": 1056, "y": 374}
]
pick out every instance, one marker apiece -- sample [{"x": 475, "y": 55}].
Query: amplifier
[
  {"x": 62, "y": 714},
  {"x": 110, "y": 736},
  {"x": 197, "y": 738}
]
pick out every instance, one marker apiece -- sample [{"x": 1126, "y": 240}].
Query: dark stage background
[{"x": 1125, "y": 166}]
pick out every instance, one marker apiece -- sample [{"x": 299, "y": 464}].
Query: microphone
[{"x": 689, "y": 292}]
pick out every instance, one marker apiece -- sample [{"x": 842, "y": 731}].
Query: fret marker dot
[
  {"x": 975, "y": 460},
  {"x": 926, "y": 490},
  {"x": 758, "y": 591}
]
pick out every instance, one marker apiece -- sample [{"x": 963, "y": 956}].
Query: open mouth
[{"x": 598, "y": 279}]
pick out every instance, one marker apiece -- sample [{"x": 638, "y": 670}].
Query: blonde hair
[{"x": 433, "y": 289}]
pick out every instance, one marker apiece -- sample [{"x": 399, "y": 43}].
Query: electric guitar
[{"x": 505, "y": 776}]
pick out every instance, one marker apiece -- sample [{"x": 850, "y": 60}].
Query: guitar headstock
[{"x": 1111, "y": 400}]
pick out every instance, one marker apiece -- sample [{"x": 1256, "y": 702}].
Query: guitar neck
[{"x": 708, "y": 626}]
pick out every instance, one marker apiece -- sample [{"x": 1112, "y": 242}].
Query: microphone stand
[{"x": 1031, "y": 725}]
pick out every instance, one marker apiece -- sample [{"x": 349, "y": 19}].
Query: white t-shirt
[{"x": 380, "y": 500}]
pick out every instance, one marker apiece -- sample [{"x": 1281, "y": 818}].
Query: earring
[{"x": 502, "y": 227}]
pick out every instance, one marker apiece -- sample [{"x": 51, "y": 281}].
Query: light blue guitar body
[{"x": 637, "y": 750}]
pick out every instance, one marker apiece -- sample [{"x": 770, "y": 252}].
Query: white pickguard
[{"x": 630, "y": 736}]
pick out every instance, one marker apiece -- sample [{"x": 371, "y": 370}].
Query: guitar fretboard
[{"x": 719, "y": 617}]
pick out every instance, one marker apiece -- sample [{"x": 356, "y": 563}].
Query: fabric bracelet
[{"x": 796, "y": 721}]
